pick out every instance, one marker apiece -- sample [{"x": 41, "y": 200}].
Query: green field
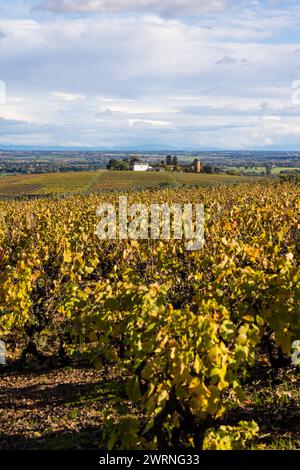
[
  {"x": 97, "y": 181},
  {"x": 262, "y": 169}
]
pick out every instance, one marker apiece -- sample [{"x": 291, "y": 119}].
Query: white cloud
[
  {"x": 151, "y": 122},
  {"x": 165, "y": 8},
  {"x": 113, "y": 80},
  {"x": 68, "y": 96}
]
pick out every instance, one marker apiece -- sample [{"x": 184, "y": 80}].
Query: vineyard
[
  {"x": 99, "y": 181},
  {"x": 179, "y": 336}
]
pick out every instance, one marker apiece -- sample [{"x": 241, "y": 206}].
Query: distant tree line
[
  {"x": 171, "y": 163},
  {"x": 32, "y": 167}
]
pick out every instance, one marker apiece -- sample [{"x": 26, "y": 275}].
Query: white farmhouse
[{"x": 141, "y": 167}]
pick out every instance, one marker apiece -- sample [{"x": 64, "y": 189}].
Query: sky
[{"x": 178, "y": 74}]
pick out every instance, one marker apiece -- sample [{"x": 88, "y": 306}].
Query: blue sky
[{"x": 181, "y": 73}]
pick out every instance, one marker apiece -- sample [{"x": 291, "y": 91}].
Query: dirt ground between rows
[{"x": 64, "y": 408}]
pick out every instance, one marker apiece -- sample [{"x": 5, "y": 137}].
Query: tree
[
  {"x": 169, "y": 160},
  {"x": 134, "y": 159},
  {"x": 208, "y": 169},
  {"x": 118, "y": 165},
  {"x": 268, "y": 171},
  {"x": 111, "y": 164},
  {"x": 217, "y": 170},
  {"x": 175, "y": 161}
]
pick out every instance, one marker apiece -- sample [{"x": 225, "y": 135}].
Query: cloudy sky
[{"x": 185, "y": 74}]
